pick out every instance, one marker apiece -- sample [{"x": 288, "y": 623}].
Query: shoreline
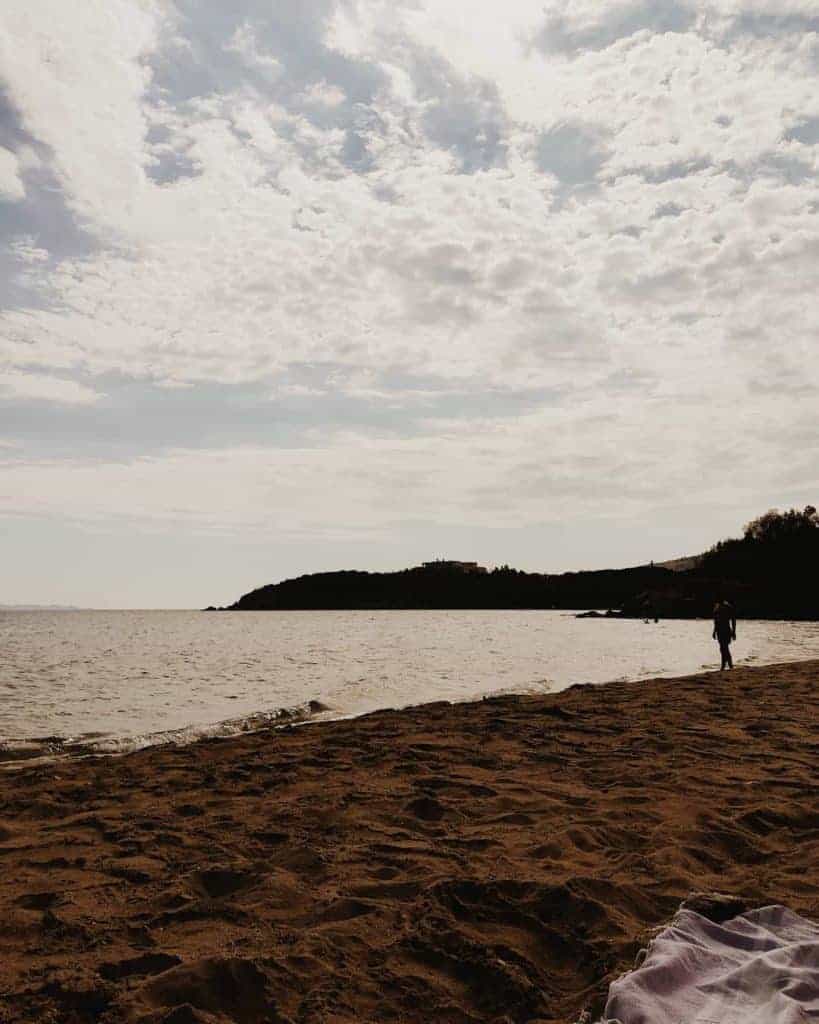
[
  {"x": 58, "y": 750},
  {"x": 500, "y": 859},
  {"x": 16, "y": 752}
]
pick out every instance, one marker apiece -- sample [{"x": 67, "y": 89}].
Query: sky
[{"x": 290, "y": 287}]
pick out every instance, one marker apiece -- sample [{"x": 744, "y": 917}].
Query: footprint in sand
[
  {"x": 229, "y": 988},
  {"x": 38, "y": 900},
  {"x": 216, "y": 883},
  {"x": 426, "y": 808},
  {"x": 148, "y": 963}
]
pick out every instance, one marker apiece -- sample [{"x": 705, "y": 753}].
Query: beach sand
[{"x": 494, "y": 861}]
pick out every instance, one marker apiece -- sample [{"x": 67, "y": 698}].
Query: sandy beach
[{"x": 496, "y": 861}]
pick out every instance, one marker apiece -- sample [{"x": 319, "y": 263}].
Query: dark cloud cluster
[
  {"x": 561, "y": 33},
  {"x": 573, "y": 151},
  {"x": 42, "y": 219},
  {"x": 278, "y": 53}
]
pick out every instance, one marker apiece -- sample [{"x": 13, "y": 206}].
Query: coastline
[
  {"x": 89, "y": 683},
  {"x": 497, "y": 860}
]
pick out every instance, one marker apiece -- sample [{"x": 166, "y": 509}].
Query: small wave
[
  {"x": 51, "y": 748},
  {"x": 536, "y": 689}
]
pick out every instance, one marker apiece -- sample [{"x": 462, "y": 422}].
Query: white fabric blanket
[{"x": 761, "y": 967}]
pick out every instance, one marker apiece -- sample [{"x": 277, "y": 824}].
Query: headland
[{"x": 768, "y": 573}]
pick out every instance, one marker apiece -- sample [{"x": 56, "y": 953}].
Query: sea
[{"x": 80, "y": 682}]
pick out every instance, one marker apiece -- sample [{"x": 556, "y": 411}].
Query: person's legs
[{"x": 725, "y": 654}]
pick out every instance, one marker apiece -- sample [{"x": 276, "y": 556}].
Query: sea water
[{"x": 113, "y": 681}]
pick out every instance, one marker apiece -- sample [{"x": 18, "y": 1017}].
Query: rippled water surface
[{"x": 118, "y": 680}]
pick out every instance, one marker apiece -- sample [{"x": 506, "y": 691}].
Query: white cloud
[
  {"x": 244, "y": 42},
  {"x": 27, "y": 252},
  {"x": 592, "y": 460},
  {"x": 38, "y": 387},
  {"x": 323, "y": 95},
  {"x": 11, "y": 184},
  {"x": 76, "y": 75}
]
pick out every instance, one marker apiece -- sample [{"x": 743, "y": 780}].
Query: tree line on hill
[
  {"x": 774, "y": 567},
  {"x": 772, "y": 571}
]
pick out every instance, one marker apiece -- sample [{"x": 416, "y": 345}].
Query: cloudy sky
[{"x": 355, "y": 283}]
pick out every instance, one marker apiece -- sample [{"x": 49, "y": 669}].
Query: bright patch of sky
[{"x": 356, "y": 283}]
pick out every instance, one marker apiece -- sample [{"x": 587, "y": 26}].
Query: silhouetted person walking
[{"x": 725, "y": 630}]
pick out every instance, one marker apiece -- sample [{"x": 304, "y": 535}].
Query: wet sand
[{"x": 495, "y": 861}]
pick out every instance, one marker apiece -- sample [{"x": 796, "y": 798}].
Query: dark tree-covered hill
[
  {"x": 428, "y": 587},
  {"x": 772, "y": 571},
  {"x": 776, "y": 562}
]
